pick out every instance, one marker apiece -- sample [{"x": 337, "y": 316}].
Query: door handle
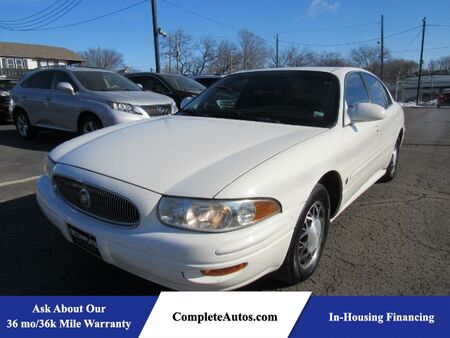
[
  {"x": 24, "y": 96},
  {"x": 49, "y": 98}
]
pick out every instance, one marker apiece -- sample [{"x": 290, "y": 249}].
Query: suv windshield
[
  {"x": 306, "y": 98},
  {"x": 183, "y": 84},
  {"x": 104, "y": 81}
]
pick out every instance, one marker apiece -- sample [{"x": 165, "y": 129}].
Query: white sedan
[{"x": 243, "y": 181}]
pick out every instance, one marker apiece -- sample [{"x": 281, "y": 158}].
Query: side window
[
  {"x": 60, "y": 76},
  {"x": 145, "y": 81},
  {"x": 355, "y": 90},
  {"x": 41, "y": 80},
  {"x": 160, "y": 87},
  {"x": 378, "y": 94}
]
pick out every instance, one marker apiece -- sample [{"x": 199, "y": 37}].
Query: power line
[
  {"x": 201, "y": 15},
  {"x": 90, "y": 19},
  {"x": 349, "y": 43},
  {"x": 46, "y": 19},
  {"x": 330, "y": 28},
  {"x": 410, "y": 43},
  {"x": 32, "y": 15}
]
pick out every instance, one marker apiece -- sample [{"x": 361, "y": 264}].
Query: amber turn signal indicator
[{"x": 224, "y": 271}]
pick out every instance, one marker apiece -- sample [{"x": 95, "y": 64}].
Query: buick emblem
[
  {"x": 85, "y": 198},
  {"x": 159, "y": 110}
]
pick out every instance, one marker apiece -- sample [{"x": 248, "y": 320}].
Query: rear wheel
[
  {"x": 89, "y": 124},
  {"x": 23, "y": 126},
  {"x": 392, "y": 167},
  {"x": 308, "y": 239}
]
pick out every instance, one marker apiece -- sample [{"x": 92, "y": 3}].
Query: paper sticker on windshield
[{"x": 319, "y": 114}]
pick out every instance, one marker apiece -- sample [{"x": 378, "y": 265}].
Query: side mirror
[
  {"x": 363, "y": 112},
  {"x": 65, "y": 87},
  {"x": 185, "y": 101}
]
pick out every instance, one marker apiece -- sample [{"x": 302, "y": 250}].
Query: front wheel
[
  {"x": 308, "y": 239},
  {"x": 89, "y": 124},
  {"x": 23, "y": 126}
]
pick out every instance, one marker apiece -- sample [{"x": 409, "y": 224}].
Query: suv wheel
[
  {"x": 23, "y": 126},
  {"x": 89, "y": 124},
  {"x": 308, "y": 239}
]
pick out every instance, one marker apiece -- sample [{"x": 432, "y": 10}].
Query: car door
[
  {"x": 360, "y": 139},
  {"x": 388, "y": 127},
  {"x": 33, "y": 98},
  {"x": 63, "y": 107}
]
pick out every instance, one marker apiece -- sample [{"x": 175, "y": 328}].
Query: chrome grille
[
  {"x": 158, "y": 110},
  {"x": 97, "y": 202}
]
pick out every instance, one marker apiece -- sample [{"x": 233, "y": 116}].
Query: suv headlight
[
  {"x": 214, "y": 215},
  {"x": 49, "y": 165},
  {"x": 126, "y": 107}
]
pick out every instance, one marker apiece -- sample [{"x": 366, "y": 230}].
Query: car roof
[
  {"x": 155, "y": 74},
  {"x": 338, "y": 71}
]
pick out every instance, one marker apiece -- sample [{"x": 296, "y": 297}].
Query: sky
[{"x": 318, "y": 25}]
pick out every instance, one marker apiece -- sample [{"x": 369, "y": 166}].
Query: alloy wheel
[{"x": 311, "y": 235}]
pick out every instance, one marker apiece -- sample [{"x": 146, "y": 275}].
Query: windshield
[
  {"x": 105, "y": 81},
  {"x": 183, "y": 84},
  {"x": 306, "y": 98}
]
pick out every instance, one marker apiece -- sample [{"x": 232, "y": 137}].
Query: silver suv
[{"x": 81, "y": 100}]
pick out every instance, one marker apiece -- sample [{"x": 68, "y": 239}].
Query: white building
[{"x": 17, "y": 58}]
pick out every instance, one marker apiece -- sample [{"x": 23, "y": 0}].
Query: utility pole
[
  {"x": 170, "y": 54},
  {"x": 424, "y": 23},
  {"x": 382, "y": 47},
  {"x": 277, "y": 62},
  {"x": 156, "y": 36}
]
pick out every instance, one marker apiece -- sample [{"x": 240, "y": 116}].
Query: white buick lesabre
[{"x": 243, "y": 181}]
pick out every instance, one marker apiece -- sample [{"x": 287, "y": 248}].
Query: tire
[
  {"x": 391, "y": 170},
  {"x": 23, "y": 126},
  {"x": 89, "y": 124},
  {"x": 309, "y": 238}
]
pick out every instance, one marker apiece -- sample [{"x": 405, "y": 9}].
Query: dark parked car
[
  {"x": 443, "y": 99},
  {"x": 177, "y": 87},
  {"x": 5, "y": 87},
  {"x": 207, "y": 80}
]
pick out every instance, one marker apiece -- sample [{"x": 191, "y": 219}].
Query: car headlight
[
  {"x": 49, "y": 165},
  {"x": 126, "y": 107},
  {"x": 174, "y": 108},
  {"x": 214, "y": 215}
]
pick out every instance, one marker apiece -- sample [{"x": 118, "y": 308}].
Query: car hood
[
  {"x": 138, "y": 98},
  {"x": 182, "y": 155}
]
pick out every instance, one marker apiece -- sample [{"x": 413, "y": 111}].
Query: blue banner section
[
  {"x": 375, "y": 316},
  {"x": 67, "y": 316}
]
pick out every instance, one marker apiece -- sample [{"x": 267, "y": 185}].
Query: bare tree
[
  {"x": 398, "y": 69},
  {"x": 253, "y": 50},
  {"x": 292, "y": 57},
  {"x": 102, "y": 58},
  {"x": 226, "y": 58},
  {"x": 443, "y": 64},
  {"x": 333, "y": 59},
  {"x": 207, "y": 54},
  {"x": 177, "y": 47}
]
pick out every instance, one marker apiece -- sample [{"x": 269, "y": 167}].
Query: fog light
[{"x": 224, "y": 271}]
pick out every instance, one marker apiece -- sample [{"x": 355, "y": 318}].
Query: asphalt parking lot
[{"x": 393, "y": 240}]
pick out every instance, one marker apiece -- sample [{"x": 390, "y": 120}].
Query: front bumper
[{"x": 170, "y": 256}]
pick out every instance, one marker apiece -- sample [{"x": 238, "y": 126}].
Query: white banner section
[{"x": 224, "y": 314}]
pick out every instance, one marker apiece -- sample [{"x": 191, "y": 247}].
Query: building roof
[{"x": 12, "y": 49}]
